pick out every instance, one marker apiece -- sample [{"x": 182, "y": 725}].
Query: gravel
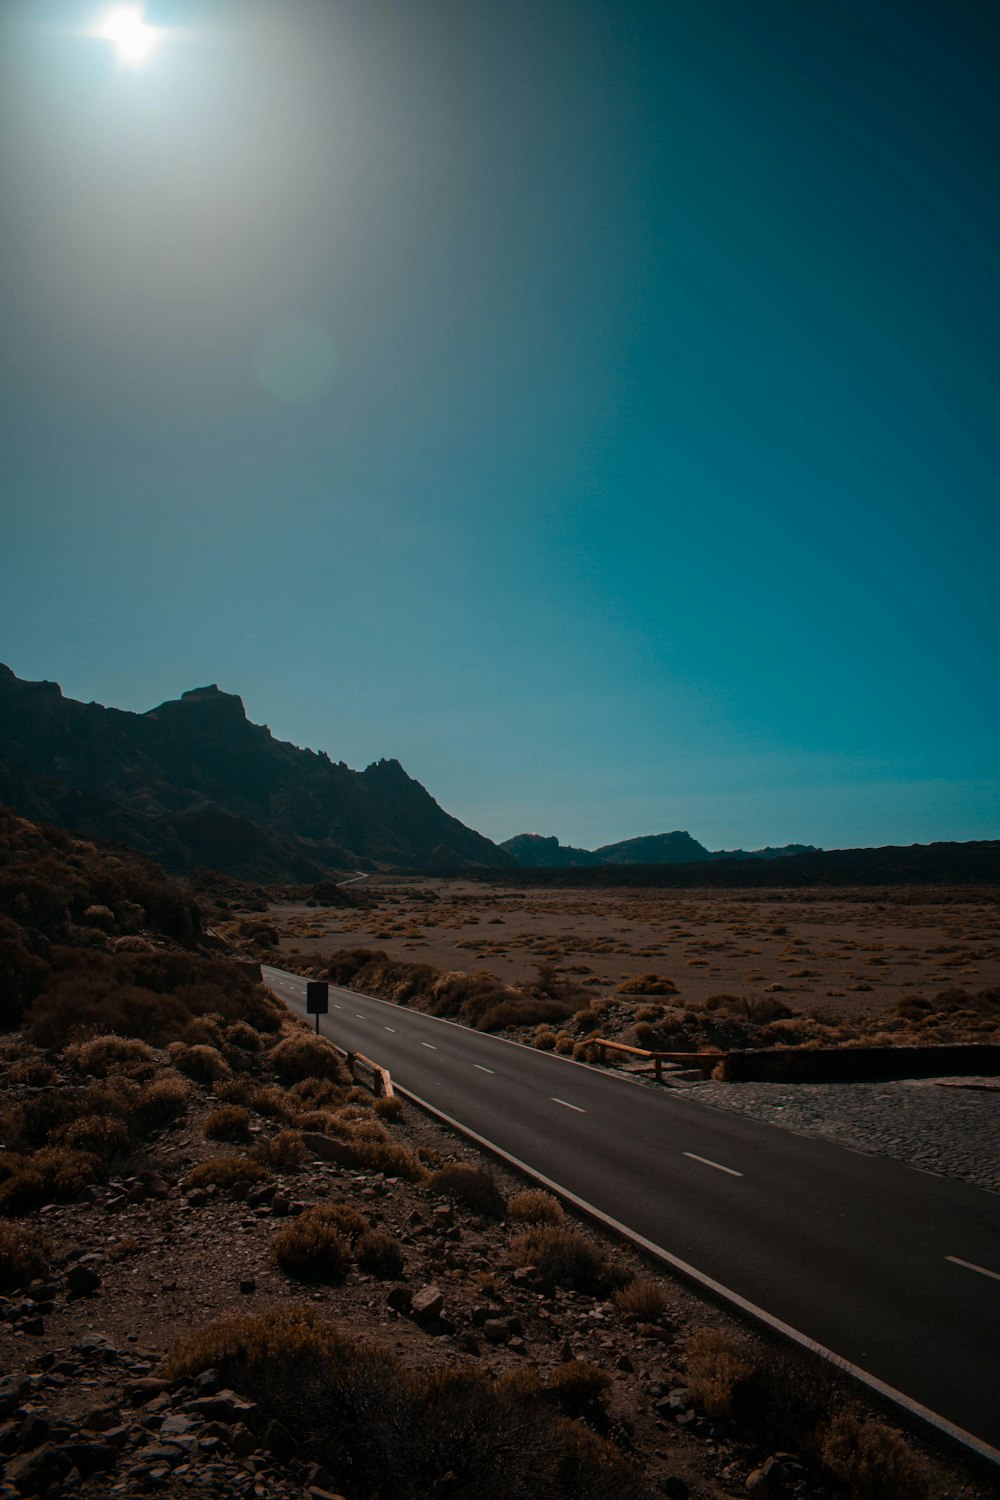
[{"x": 945, "y": 1125}]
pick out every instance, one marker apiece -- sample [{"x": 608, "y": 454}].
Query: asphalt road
[{"x": 893, "y": 1270}]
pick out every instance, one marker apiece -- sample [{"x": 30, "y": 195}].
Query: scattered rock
[{"x": 427, "y": 1304}]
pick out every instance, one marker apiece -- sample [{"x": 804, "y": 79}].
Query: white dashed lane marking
[
  {"x": 566, "y": 1105},
  {"x": 481, "y": 1068},
  {"x": 430, "y": 1045},
  {"x": 706, "y": 1162},
  {"x": 969, "y": 1265}
]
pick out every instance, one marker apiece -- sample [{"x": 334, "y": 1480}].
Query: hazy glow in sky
[
  {"x": 591, "y": 403},
  {"x": 134, "y": 41}
]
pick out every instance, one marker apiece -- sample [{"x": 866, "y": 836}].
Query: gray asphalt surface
[{"x": 892, "y": 1269}]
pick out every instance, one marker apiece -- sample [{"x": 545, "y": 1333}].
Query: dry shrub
[
  {"x": 316, "y": 1244},
  {"x": 205, "y": 1031},
  {"x": 642, "y": 1299},
  {"x": 22, "y": 973},
  {"x": 564, "y": 1257},
  {"x": 564, "y": 1044},
  {"x": 106, "y": 1136},
  {"x": 163, "y": 1100},
  {"x": 578, "y": 1385},
  {"x": 535, "y": 1207},
  {"x": 544, "y": 1038},
  {"x": 305, "y": 1056},
  {"x": 267, "y": 1099},
  {"x": 788, "y": 1396},
  {"x": 378, "y": 1253},
  {"x": 32, "y": 1073},
  {"x": 390, "y": 1108},
  {"x": 522, "y": 1010},
  {"x": 24, "y": 1256},
  {"x": 393, "y": 1160},
  {"x": 476, "y": 1187},
  {"x": 872, "y": 1460},
  {"x": 53, "y": 1175},
  {"x": 717, "y": 1365},
  {"x": 318, "y": 1093},
  {"x": 284, "y": 1152},
  {"x": 153, "y": 996},
  {"x": 227, "y": 1173},
  {"x": 105, "y": 1054},
  {"x": 203, "y": 1063},
  {"x": 380, "y": 1428},
  {"x": 230, "y": 1122},
  {"x": 246, "y": 1037},
  {"x": 647, "y": 984}
]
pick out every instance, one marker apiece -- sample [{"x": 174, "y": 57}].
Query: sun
[{"x": 134, "y": 41}]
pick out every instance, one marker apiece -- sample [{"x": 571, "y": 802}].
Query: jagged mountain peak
[{"x": 194, "y": 781}]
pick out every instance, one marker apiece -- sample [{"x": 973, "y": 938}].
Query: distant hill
[
  {"x": 656, "y": 849},
  {"x": 973, "y": 863},
  {"x": 194, "y": 782},
  {"x": 534, "y": 851}
]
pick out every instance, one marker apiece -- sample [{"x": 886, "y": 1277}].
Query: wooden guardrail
[
  {"x": 706, "y": 1061},
  {"x": 372, "y": 1075}
]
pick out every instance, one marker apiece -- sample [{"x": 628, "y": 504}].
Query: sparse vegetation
[
  {"x": 535, "y": 1207},
  {"x": 564, "y": 1257},
  {"x": 380, "y": 1427},
  {"x": 228, "y": 1174},
  {"x": 474, "y": 1186},
  {"x": 642, "y": 1299},
  {"x": 23, "y": 1256},
  {"x": 717, "y": 1365},
  {"x": 872, "y": 1460},
  {"x": 230, "y": 1122}
]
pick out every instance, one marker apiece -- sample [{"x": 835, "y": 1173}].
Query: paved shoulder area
[{"x": 948, "y": 1126}]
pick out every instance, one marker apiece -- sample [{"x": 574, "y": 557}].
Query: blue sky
[{"x": 592, "y": 405}]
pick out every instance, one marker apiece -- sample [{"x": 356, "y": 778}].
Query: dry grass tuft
[
  {"x": 578, "y": 1385},
  {"x": 535, "y": 1207},
  {"x": 564, "y": 1257},
  {"x": 642, "y": 1299},
  {"x": 378, "y": 1253},
  {"x": 717, "y": 1366},
  {"x": 230, "y": 1122},
  {"x": 105, "y": 1054},
  {"x": 284, "y": 1152},
  {"x": 318, "y": 1243},
  {"x": 872, "y": 1460},
  {"x": 227, "y": 1173},
  {"x": 476, "y": 1187},
  {"x": 201, "y": 1062},
  {"x": 302, "y": 1056},
  {"x": 24, "y": 1255}
]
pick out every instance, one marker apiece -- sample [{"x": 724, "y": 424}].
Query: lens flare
[{"x": 134, "y": 41}]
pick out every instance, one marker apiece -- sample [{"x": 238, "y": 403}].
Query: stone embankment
[{"x": 946, "y": 1125}]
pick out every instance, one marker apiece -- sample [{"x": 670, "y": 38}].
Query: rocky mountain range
[
  {"x": 534, "y": 851},
  {"x": 194, "y": 782}
]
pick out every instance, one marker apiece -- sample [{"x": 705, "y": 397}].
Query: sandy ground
[{"x": 854, "y": 952}]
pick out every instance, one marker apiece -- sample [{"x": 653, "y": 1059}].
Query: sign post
[{"x": 317, "y": 999}]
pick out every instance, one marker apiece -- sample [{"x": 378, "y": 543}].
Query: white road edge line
[
  {"x": 566, "y": 1105},
  {"x": 959, "y": 1434},
  {"x": 482, "y": 1069},
  {"x": 705, "y": 1161},
  {"x": 970, "y": 1265}
]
